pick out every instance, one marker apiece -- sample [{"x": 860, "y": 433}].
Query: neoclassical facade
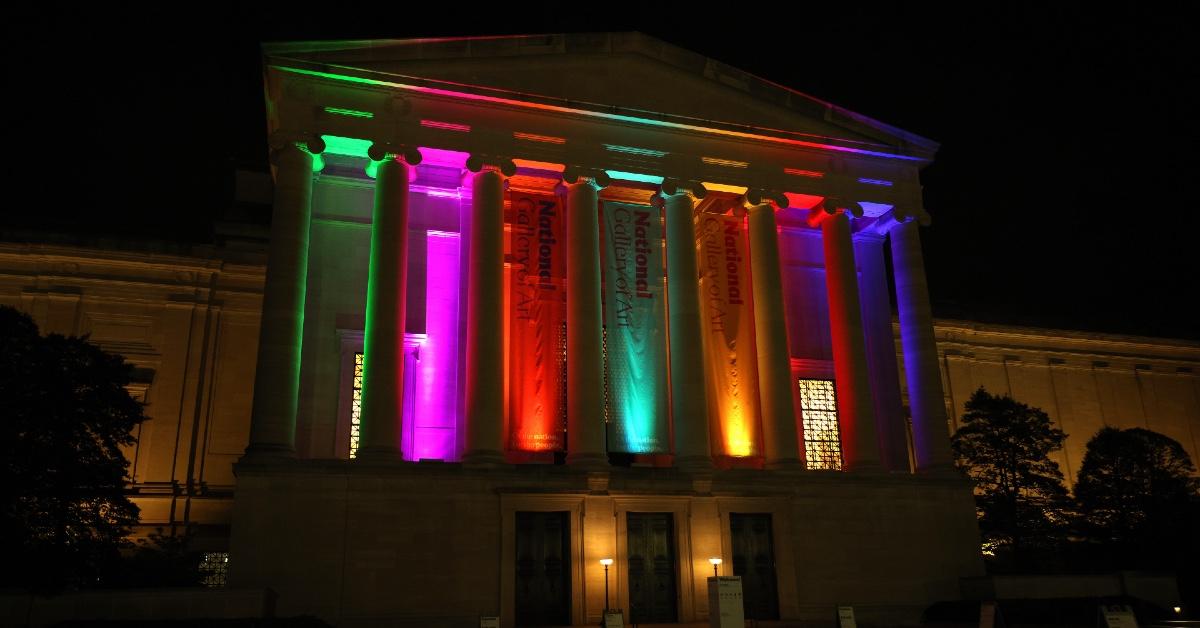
[{"x": 534, "y": 302}]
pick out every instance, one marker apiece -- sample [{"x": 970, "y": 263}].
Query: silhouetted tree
[
  {"x": 1004, "y": 446},
  {"x": 1136, "y": 495},
  {"x": 64, "y": 416}
]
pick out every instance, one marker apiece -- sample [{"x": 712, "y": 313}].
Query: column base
[
  {"x": 785, "y": 464},
  {"x": 264, "y": 452},
  {"x": 587, "y": 461},
  {"x": 694, "y": 464},
  {"x": 938, "y": 470},
  {"x": 871, "y": 468},
  {"x": 483, "y": 458},
  {"x": 378, "y": 456}
]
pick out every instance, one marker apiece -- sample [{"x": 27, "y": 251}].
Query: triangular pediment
[{"x": 628, "y": 73}]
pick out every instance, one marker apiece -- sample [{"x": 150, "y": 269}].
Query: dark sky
[{"x": 1061, "y": 195}]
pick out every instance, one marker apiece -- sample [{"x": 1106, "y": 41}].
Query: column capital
[
  {"x": 899, "y": 216},
  {"x": 306, "y": 141},
  {"x": 573, "y": 175},
  {"x": 754, "y": 197},
  {"x": 380, "y": 151},
  {"x": 478, "y": 162},
  {"x": 832, "y": 208},
  {"x": 671, "y": 187}
]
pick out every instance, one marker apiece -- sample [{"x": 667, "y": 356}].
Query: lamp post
[
  {"x": 606, "y": 562},
  {"x": 715, "y": 562}
]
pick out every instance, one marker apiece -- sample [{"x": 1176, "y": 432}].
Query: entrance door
[
  {"x": 543, "y": 584},
  {"x": 651, "y": 567},
  {"x": 754, "y": 561}
]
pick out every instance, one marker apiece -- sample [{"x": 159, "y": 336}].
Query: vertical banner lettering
[
  {"x": 537, "y": 392},
  {"x": 727, "y": 316},
  {"x": 635, "y": 323}
]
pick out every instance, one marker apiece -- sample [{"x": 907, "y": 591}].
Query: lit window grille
[
  {"x": 356, "y": 404},
  {"x": 822, "y": 440},
  {"x": 214, "y": 567}
]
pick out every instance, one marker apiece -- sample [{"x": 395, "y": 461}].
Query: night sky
[{"x": 1062, "y": 195}]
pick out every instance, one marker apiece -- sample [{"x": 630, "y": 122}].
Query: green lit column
[
  {"x": 689, "y": 405},
  {"x": 383, "y": 338},
  {"x": 585, "y": 352},
  {"x": 856, "y": 410},
  {"x": 770, "y": 330},
  {"x": 281, "y": 330},
  {"x": 485, "y": 319}
]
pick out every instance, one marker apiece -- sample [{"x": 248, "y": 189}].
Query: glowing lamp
[
  {"x": 716, "y": 562},
  {"x": 606, "y": 562}
]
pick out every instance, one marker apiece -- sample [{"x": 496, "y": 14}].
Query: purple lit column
[
  {"x": 931, "y": 438},
  {"x": 277, "y": 374},
  {"x": 485, "y": 319},
  {"x": 383, "y": 339}
]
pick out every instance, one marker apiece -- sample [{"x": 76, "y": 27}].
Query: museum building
[{"x": 535, "y": 302}]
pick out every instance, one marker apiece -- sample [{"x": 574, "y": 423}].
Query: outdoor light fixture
[
  {"x": 715, "y": 562},
  {"x": 606, "y": 562},
  {"x": 1178, "y": 610}
]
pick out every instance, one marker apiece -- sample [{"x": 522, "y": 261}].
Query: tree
[
  {"x": 1004, "y": 446},
  {"x": 1135, "y": 495},
  {"x": 66, "y": 415}
]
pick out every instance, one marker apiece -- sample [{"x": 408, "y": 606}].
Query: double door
[{"x": 651, "y": 561}]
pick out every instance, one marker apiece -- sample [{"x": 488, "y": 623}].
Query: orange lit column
[
  {"x": 585, "y": 357},
  {"x": 383, "y": 339},
  {"x": 770, "y": 328},
  {"x": 485, "y": 319},
  {"x": 856, "y": 411},
  {"x": 689, "y": 407},
  {"x": 277, "y": 375},
  {"x": 931, "y": 435}
]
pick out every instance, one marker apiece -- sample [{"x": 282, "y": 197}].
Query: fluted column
[
  {"x": 585, "y": 356},
  {"x": 281, "y": 330},
  {"x": 925, "y": 397},
  {"x": 770, "y": 328},
  {"x": 856, "y": 412},
  {"x": 383, "y": 340},
  {"x": 689, "y": 406},
  {"x": 485, "y": 320}
]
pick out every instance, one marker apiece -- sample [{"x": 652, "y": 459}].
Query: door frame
[
  {"x": 781, "y": 527},
  {"x": 510, "y": 504},
  {"x": 680, "y": 510}
]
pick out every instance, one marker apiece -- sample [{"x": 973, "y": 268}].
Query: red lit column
[
  {"x": 277, "y": 374},
  {"x": 689, "y": 407},
  {"x": 585, "y": 358},
  {"x": 383, "y": 339},
  {"x": 931, "y": 434},
  {"x": 770, "y": 328},
  {"x": 485, "y": 319},
  {"x": 856, "y": 411}
]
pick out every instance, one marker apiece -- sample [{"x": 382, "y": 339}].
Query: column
[
  {"x": 383, "y": 339},
  {"x": 881, "y": 349},
  {"x": 485, "y": 321},
  {"x": 281, "y": 330},
  {"x": 856, "y": 412},
  {"x": 925, "y": 397},
  {"x": 689, "y": 406},
  {"x": 585, "y": 356},
  {"x": 770, "y": 330}
]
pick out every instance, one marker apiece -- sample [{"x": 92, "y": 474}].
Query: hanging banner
[
  {"x": 635, "y": 313},
  {"x": 538, "y": 387},
  {"x": 727, "y": 316}
]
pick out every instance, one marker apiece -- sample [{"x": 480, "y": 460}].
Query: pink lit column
[
  {"x": 771, "y": 341},
  {"x": 485, "y": 321},
  {"x": 856, "y": 411},
  {"x": 383, "y": 341},
  {"x": 689, "y": 407},
  {"x": 585, "y": 356},
  {"x": 931, "y": 438},
  {"x": 277, "y": 375}
]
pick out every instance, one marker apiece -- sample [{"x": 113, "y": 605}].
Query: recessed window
[
  {"x": 356, "y": 404},
  {"x": 214, "y": 567},
  {"x": 822, "y": 439}
]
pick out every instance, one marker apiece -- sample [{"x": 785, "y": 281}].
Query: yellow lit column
[
  {"x": 383, "y": 339},
  {"x": 925, "y": 397},
  {"x": 770, "y": 328},
  {"x": 856, "y": 411},
  {"x": 485, "y": 319},
  {"x": 689, "y": 406},
  {"x": 281, "y": 330},
  {"x": 585, "y": 355}
]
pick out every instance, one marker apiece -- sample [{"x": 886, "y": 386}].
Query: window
[
  {"x": 356, "y": 403},
  {"x": 822, "y": 440},
  {"x": 214, "y": 566}
]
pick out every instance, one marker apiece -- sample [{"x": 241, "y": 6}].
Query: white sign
[
  {"x": 1118, "y": 616},
  {"x": 613, "y": 619},
  {"x": 489, "y": 622},
  {"x": 846, "y": 617}
]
